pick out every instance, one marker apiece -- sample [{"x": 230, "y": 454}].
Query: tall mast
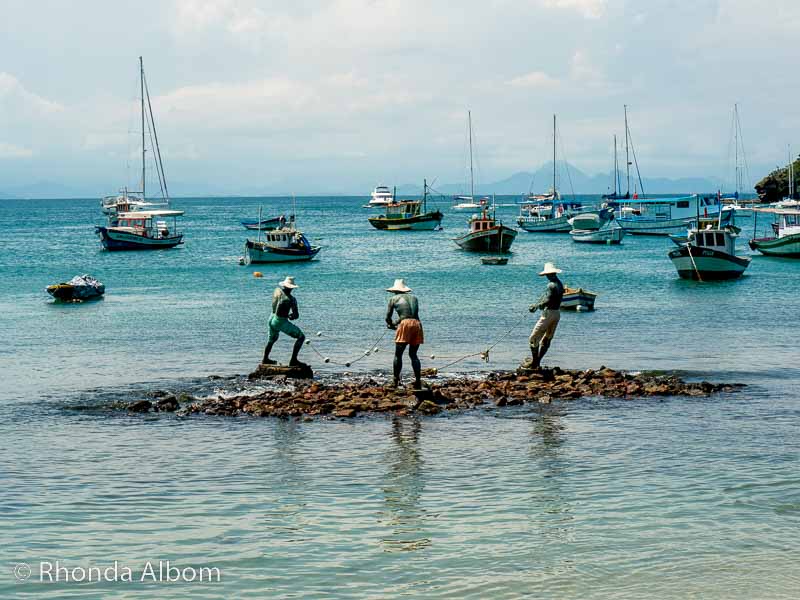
[
  {"x": 554, "y": 157},
  {"x": 141, "y": 91},
  {"x": 736, "y": 144},
  {"x": 616, "y": 168},
  {"x": 791, "y": 172},
  {"x": 627, "y": 157},
  {"x": 471, "y": 177},
  {"x": 424, "y": 195}
]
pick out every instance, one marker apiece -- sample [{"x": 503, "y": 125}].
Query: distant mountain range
[
  {"x": 519, "y": 183},
  {"x": 577, "y": 182}
]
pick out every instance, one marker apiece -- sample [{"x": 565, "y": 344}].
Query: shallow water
[{"x": 594, "y": 498}]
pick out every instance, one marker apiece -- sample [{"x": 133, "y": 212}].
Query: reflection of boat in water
[
  {"x": 142, "y": 230},
  {"x": 486, "y": 234},
  {"x": 408, "y": 215},
  {"x": 786, "y": 241},
  {"x": 77, "y": 289},
  {"x": 494, "y": 260},
  {"x": 264, "y": 224},
  {"x": 577, "y": 299},
  {"x": 710, "y": 254}
]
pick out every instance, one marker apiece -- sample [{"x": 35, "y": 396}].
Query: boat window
[
  {"x": 699, "y": 239},
  {"x": 720, "y": 239},
  {"x": 682, "y": 204}
]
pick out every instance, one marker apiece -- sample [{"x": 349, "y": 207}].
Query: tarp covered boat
[{"x": 77, "y": 289}]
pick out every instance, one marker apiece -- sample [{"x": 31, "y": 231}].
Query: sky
[{"x": 338, "y": 96}]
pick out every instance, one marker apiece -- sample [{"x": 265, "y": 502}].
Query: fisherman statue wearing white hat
[
  {"x": 284, "y": 311},
  {"x": 409, "y": 329},
  {"x": 550, "y": 305}
]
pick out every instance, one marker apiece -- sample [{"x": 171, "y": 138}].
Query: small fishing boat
[
  {"x": 786, "y": 241},
  {"x": 141, "y": 230},
  {"x": 494, "y": 260},
  {"x": 577, "y": 299},
  {"x": 280, "y": 245},
  {"x": 486, "y": 234},
  {"x": 78, "y": 289},
  {"x": 598, "y": 227},
  {"x": 408, "y": 215},
  {"x": 284, "y": 244},
  {"x": 264, "y": 224},
  {"x": 710, "y": 254}
]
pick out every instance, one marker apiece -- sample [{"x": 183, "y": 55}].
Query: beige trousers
[{"x": 545, "y": 327}]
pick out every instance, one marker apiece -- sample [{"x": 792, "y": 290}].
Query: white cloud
[
  {"x": 589, "y": 9},
  {"x": 12, "y": 91},
  {"x": 535, "y": 79}
]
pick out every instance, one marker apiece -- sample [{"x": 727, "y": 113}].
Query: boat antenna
[
  {"x": 471, "y": 172},
  {"x": 141, "y": 94}
]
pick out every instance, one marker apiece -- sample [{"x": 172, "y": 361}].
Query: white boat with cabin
[
  {"x": 142, "y": 230},
  {"x": 381, "y": 196},
  {"x": 710, "y": 254}
]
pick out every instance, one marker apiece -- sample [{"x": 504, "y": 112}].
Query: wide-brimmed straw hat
[
  {"x": 399, "y": 287},
  {"x": 289, "y": 283},
  {"x": 550, "y": 269}
]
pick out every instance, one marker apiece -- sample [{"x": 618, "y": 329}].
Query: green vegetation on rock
[{"x": 775, "y": 186}]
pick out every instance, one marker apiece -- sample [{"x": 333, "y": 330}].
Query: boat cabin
[
  {"x": 284, "y": 238},
  {"x": 788, "y": 222},
  {"x": 482, "y": 222},
  {"x": 151, "y": 224},
  {"x": 402, "y": 210},
  {"x": 721, "y": 240}
]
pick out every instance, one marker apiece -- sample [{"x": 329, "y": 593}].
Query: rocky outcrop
[
  {"x": 350, "y": 399},
  {"x": 274, "y": 371}
]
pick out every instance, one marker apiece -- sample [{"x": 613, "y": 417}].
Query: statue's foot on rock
[
  {"x": 268, "y": 361},
  {"x": 270, "y": 371}
]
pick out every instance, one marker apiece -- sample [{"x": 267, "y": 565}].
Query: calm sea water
[{"x": 607, "y": 499}]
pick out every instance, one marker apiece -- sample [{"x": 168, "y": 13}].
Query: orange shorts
[{"x": 409, "y": 331}]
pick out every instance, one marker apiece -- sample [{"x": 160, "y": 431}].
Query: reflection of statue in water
[{"x": 403, "y": 487}]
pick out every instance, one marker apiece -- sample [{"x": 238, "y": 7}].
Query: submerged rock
[
  {"x": 349, "y": 399},
  {"x": 140, "y": 406}
]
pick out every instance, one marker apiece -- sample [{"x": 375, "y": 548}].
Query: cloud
[
  {"x": 535, "y": 79},
  {"x": 12, "y": 151},
  {"x": 589, "y": 9},
  {"x": 12, "y": 91}
]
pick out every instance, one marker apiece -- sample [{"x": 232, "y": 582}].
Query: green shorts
[{"x": 278, "y": 325}]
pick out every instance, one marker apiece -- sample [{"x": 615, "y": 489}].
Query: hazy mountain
[{"x": 574, "y": 180}]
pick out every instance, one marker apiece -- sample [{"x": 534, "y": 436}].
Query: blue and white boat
[
  {"x": 142, "y": 230},
  {"x": 665, "y": 216}
]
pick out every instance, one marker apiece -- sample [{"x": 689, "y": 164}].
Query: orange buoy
[{"x": 258, "y": 274}]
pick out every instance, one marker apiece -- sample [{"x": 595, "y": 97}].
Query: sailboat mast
[
  {"x": 627, "y": 157},
  {"x": 736, "y": 151},
  {"x": 141, "y": 92},
  {"x": 424, "y": 195},
  {"x": 554, "y": 157},
  {"x": 791, "y": 172},
  {"x": 471, "y": 176},
  {"x": 616, "y": 168}
]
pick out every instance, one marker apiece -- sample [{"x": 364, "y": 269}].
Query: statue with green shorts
[{"x": 284, "y": 311}]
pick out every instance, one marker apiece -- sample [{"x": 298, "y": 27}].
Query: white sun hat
[
  {"x": 399, "y": 286},
  {"x": 550, "y": 269},
  {"x": 289, "y": 283}
]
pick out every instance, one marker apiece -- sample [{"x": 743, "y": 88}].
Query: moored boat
[
  {"x": 142, "y": 230},
  {"x": 408, "y": 215},
  {"x": 381, "y": 196},
  {"x": 78, "y": 289},
  {"x": 264, "y": 224},
  {"x": 663, "y": 216},
  {"x": 577, "y": 299},
  {"x": 599, "y": 227},
  {"x": 280, "y": 245},
  {"x": 786, "y": 241},
  {"x": 486, "y": 234},
  {"x": 710, "y": 254}
]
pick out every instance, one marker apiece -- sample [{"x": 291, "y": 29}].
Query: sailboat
[
  {"x": 133, "y": 222},
  {"x": 548, "y": 213},
  {"x": 616, "y": 195},
  {"x": 790, "y": 201},
  {"x": 468, "y": 202},
  {"x": 730, "y": 202}
]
